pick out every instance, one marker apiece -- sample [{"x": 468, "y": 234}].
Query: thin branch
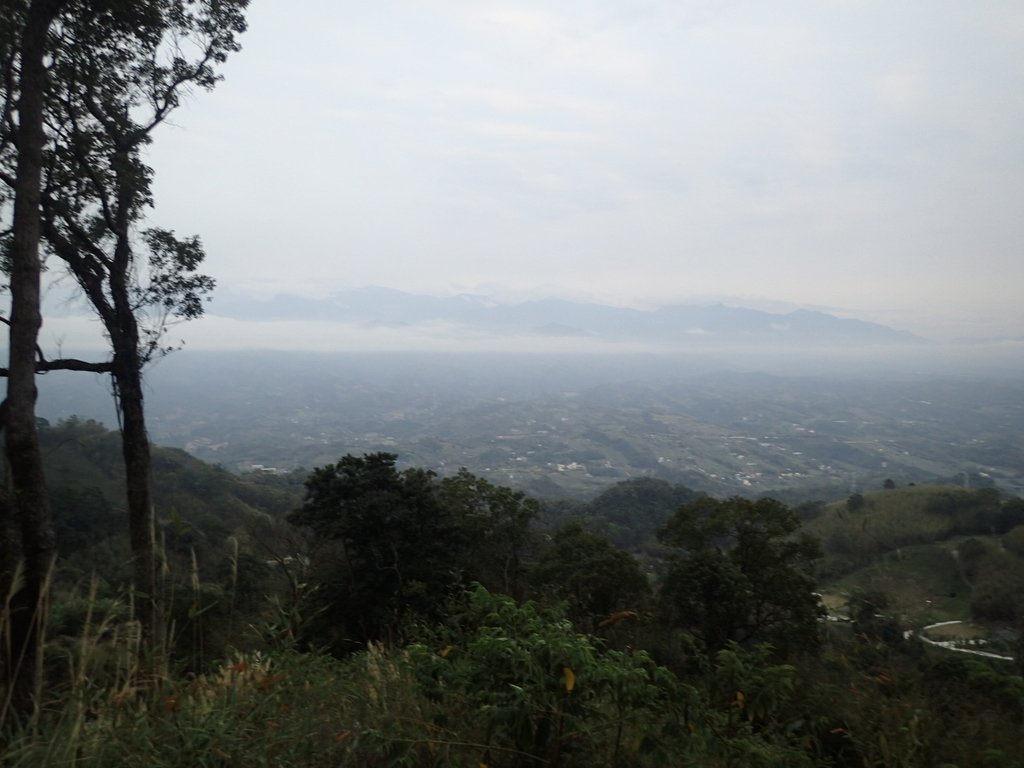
[
  {"x": 61, "y": 364},
  {"x": 67, "y": 364},
  {"x": 86, "y": 273}
]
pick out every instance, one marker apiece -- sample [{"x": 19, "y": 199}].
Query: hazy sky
[{"x": 867, "y": 156}]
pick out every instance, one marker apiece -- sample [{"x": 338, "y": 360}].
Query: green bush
[
  {"x": 528, "y": 687},
  {"x": 1013, "y": 541},
  {"x": 998, "y": 593}
]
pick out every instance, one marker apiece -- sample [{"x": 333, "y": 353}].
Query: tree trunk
[
  {"x": 137, "y": 464},
  {"x": 28, "y": 484},
  {"x": 123, "y": 328}
]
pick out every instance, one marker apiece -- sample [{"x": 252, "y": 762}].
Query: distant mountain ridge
[{"x": 681, "y": 323}]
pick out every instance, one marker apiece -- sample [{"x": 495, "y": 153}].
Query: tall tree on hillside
[
  {"x": 118, "y": 70},
  {"x": 496, "y": 523},
  {"x": 24, "y": 52},
  {"x": 387, "y": 548},
  {"x": 396, "y": 545},
  {"x": 596, "y": 579},
  {"x": 742, "y": 573}
]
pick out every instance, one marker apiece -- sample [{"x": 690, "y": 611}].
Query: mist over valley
[{"x": 562, "y": 424}]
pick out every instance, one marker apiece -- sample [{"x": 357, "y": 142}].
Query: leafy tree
[
  {"x": 629, "y": 513},
  {"x": 84, "y": 517},
  {"x": 978, "y": 511},
  {"x": 742, "y": 573},
  {"x": 810, "y": 510},
  {"x": 1010, "y": 516},
  {"x": 596, "y": 579},
  {"x": 970, "y": 555},
  {"x": 1013, "y": 540},
  {"x": 870, "y": 622},
  {"x": 996, "y": 577},
  {"x": 495, "y": 523},
  {"x": 997, "y": 593},
  {"x": 117, "y": 70},
  {"x": 760, "y": 717},
  {"x": 395, "y": 545},
  {"x": 392, "y": 549}
]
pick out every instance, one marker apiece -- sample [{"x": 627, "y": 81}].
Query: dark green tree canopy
[
  {"x": 394, "y": 545},
  {"x": 629, "y": 513},
  {"x": 593, "y": 577},
  {"x": 495, "y": 522},
  {"x": 742, "y": 574},
  {"x": 360, "y": 495},
  {"x": 384, "y": 547}
]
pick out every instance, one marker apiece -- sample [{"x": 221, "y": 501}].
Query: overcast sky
[{"x": 861, "y": 155}]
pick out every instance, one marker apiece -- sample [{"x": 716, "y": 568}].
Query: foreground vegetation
[
  {"x": 512, "y": 685},
  {"x": 386, "y": 616},
  {"x": 397, "y": 618}
]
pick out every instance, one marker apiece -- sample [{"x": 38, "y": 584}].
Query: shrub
[
  {"x": 522, "y": 682},
  {"x": 1013, "y": 541}
]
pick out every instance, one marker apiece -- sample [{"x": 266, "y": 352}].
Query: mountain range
[{"x": 683, "y": 324}]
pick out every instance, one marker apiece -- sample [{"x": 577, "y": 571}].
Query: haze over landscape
[
  {"x": 666, "y": 201},
  {"x": 579, "y": 383},
  {"x": 862, "y": 158}
]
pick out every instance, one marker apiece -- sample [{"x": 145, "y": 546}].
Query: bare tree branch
[{"x": 67, "y": 364}]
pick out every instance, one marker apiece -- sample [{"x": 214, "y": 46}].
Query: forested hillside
[
  {"x": 368, "y": 615},
  {"x": 196, "y": 501}
]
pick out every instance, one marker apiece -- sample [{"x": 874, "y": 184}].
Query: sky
[{"x": 865, "y": 156}]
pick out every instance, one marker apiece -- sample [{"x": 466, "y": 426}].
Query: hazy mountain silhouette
[{"x": 692, "y": 324}]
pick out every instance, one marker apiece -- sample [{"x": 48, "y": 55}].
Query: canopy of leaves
[
  {"x": 394, "y": 545},
  {"x": 495, "y": 523},
  {"x": 595, "y": 578},
  {"x": 742, "y": 573},
  {"x": 117, "y": 70},
  {"x": 629, "y": 513}
]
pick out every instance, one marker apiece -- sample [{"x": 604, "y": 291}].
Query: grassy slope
[
  {"x": 902, "y": 543},
  {"x": 889, "y": 519},
  {"x": 922, "y": 582}
]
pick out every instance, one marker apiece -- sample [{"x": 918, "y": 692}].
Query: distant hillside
[
  {"x": 689, "y": 325},
  {"x": 937, "y": 552},
  {"x": 198, "y": 505},
  {"x": 864, "y": 526},
  {"x": 630, "y": 512}
]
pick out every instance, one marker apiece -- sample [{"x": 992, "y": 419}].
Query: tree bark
[
  {"x": 29, "y": 496},
  {"x": 137, "y": 464},
  {"x": 123, "y": 328}
]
